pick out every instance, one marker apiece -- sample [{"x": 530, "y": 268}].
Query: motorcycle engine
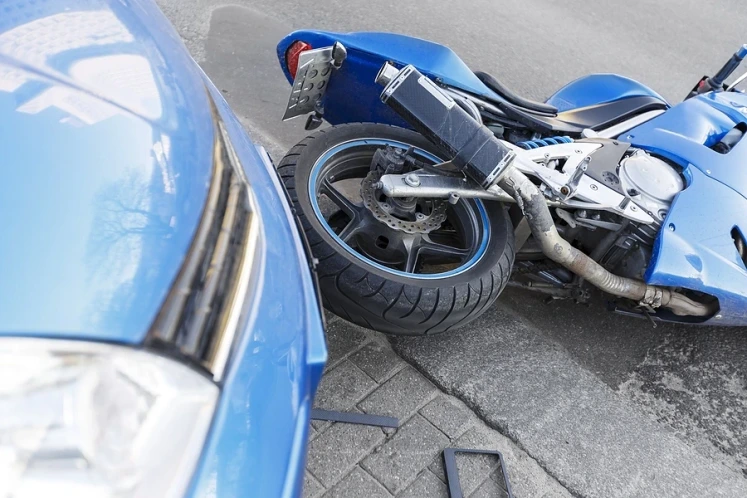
[{"x": 650, "y": 182}]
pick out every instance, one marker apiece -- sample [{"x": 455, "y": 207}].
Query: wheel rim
[{"x": 449, "y": 251}]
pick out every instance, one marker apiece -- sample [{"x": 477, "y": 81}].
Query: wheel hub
[{"x": 390, "y": 212}]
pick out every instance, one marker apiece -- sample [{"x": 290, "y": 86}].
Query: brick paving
[{"x": 365, "y": 375}]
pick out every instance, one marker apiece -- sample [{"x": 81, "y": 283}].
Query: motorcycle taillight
[{"x": 293, "y": 53}]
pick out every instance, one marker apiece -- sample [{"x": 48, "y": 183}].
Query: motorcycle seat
[
  {"x": 513, "y": 98},
  {"x": 546, "y": 118}
]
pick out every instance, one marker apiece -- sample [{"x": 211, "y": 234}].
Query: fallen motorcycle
[{"x": 437, "y": 186}]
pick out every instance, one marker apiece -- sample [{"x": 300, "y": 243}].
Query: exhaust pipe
[
  {"x": 477, "y": 152},
  {"x": 533, "y": 205},
  {"x": 472, "y": 147}
]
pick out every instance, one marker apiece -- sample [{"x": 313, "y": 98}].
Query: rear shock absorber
[{"x": 536, "y": 144}]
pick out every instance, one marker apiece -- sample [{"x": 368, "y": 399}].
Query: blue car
[{"x": 161, "y": 329}]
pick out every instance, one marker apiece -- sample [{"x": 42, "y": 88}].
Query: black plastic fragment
[
  {"x": 354, "y": 418},
  {"x": 452, "y": 473}
]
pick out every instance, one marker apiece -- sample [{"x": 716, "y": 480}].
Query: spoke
[
  {"x": 413, "y": 254},
  {"x": 350, "y": 229},
  {"x": 427, "y": 246},
  {"x": 339, "y": 199}
]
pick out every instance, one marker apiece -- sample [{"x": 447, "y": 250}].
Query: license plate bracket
[{"x": 312, "y": 77}]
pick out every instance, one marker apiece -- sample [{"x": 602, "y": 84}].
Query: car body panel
[
  {"x": 258, "y": 438},
  {"x": 695, "y": 250},
  {"x": 106, "y": 138},
  {"x": 106, "y": 142}
]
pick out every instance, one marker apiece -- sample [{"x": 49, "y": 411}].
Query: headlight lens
[{"x": 83, "y": 419}]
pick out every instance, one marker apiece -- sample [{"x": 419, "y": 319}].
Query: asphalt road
[{"x": 644, "y": 409}]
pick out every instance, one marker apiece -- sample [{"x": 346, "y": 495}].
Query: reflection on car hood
[{"x": 105, "y": 147}]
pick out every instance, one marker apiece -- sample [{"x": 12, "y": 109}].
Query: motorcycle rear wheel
[{"x": 367, "y": 272}]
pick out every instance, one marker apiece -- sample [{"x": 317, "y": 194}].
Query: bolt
[
  {"x": 386, "y": 206},
  {"x": 633, "y": 208},
  {"x": 596, "y": 217},
  {"x": 593, "y": 186},
  {"x": 708, "y": 171},
  {"x": 718, "y": 317},
  {"x": 565, "y": 190},
  {"x": 582, "y": 213},
  {"x": 412, "y": 180},
  {"x": 378, "y": 185},
  {"x": 577, "y": 151},
  {"x": 453, "y": 198},
  {"x": 419, "y": 216}
]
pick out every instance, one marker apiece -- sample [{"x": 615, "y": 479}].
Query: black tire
[{"x": 379, "y": 300}]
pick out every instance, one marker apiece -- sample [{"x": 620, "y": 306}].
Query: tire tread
[{"x": 361, "y": 298}]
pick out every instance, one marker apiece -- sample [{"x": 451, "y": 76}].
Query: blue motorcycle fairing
[
  {"x": 596, "y": 89},
  {"x": 353, "y": 96},
  {"x": 106, "y": 142},
  {"x": 433, "y": 59},
  {"x": 695, "y": 249},
  {"x": 686, "y": 133}
]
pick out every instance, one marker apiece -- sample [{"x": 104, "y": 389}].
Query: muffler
[
  {"x": 472, "y": 147},
  {"x": 475, "y": 150}
]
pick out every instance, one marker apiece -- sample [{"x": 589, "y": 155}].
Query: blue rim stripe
[{"x": 317, "y": 211}]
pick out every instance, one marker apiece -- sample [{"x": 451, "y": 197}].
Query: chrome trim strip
[
  {"x": 200, "y": 317},
  {"x": 249, "y": 270}
]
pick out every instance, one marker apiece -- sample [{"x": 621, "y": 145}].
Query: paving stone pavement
[{"x": 365, "y": 375}]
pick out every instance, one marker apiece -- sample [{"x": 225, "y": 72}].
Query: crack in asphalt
[{"x": 480, "y": 414}]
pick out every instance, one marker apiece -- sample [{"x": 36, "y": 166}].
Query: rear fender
[{"x": 353, "y": 96}]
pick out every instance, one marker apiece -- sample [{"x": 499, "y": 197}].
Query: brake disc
[{"x": 382, "y": 211}]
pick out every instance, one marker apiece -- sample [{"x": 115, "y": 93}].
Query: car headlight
[{"x": 98, "y": 420}]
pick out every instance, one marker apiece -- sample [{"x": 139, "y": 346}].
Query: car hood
[{"x": 106, "y": 138}]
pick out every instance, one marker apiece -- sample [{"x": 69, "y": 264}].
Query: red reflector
[{"x": 293, "y": 53}]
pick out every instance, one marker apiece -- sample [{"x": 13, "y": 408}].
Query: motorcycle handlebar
[{"x": 717, "y": 81}]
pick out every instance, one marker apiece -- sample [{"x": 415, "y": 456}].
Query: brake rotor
[{"x": 382, "y": 211}]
